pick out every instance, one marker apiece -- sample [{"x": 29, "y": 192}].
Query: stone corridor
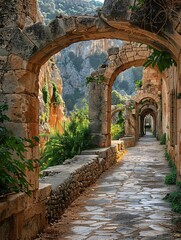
[{"x": 125, "y": 203}]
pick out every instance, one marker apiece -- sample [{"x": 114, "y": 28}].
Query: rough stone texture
[
  {"x": 75, "y": 175},
  {"x": 22, "y": 217}
]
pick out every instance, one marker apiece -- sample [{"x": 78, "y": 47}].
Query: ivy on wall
[
  {"x": 46, "y": 98},
  {"x": 56, "y": 95},
  {"x": 161, "y": 59}
]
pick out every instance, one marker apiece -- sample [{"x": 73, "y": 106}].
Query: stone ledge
[{"x": 75, "y": 175}]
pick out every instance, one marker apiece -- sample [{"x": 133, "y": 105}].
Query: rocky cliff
[{"x": 50, "y": 99}]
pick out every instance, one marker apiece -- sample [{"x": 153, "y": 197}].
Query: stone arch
[
  {"x": 118, "y": 60},
  {"x": 116, "y": 110},
  {"x": 143, "y": 114},
  {"x": 143, "y": 95},
  {"x": 42, "y": 41}
]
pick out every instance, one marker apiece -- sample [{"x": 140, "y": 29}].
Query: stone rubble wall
[{"x": 75, "y": 175}]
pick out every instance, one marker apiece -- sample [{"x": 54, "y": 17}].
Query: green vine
[
  {"x": 46, "y": 98},
  {"x": 97, "y": 79},
  {"x": 138, "y": 84},
  {"x": 161, "y": 59},
  {"x": 13, "y": 165},
  {"x": 56, "y": 95}
]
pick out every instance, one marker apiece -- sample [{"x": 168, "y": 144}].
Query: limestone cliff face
[
  {"x": 76, "y": 63},
  {"x": 51, "y": 111}
]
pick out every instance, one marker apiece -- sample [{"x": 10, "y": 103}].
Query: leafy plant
[
  {"x": 170, "y": 179},
  {"x": 75, "y": 138},
  {"x": 117, "y": 129},
  {"x": 138, "y": 84},
  {"x": 97, "y": 79},
  {"x": 163, "y": 139},
  {"x": 56, "y": 95},
  {"x": 13, "y": 165},
  {"x": 175, "y": 199},
  {"x": 161, "y": 59},
  {"x": 46, "y": 99}
]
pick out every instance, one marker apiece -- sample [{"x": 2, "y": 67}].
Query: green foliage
[
  {"x": 46, "y": 98},
  {"x": 170, "y": 179},
  {"x": 46, "y": 95},
  {"x": 175, "y": 199},
  {"x": 163, "y": 139},
  {"x": 117, "y": 98},
  {"x": 13, "y": 165},
  {"x": 76, "y": 137},
  {"x": 139, "y": 4},
  {"x": 161, "y": 59},
  {"x": 56, "y": 95},
  {"x": 97, "y": 79},
  {"x": 138, "y": 84},
  {"x": 117, "y": 129}
]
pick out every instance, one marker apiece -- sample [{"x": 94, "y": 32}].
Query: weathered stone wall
[
  {"x": 74, "y": 176},
  {"x": 22, "y": 217}
]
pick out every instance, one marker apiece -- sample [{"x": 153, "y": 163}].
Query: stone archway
[
  {"x": 142, "y": 126},
  {"x": 27, "y": 44},
  {"x": 119, "y": 59}
]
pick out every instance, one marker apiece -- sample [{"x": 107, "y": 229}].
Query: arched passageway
[{"x": 147, "y": 121}]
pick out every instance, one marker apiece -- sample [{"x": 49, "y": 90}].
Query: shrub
[
  {"x": 163, "y": 139},
  {"x": 170, "y": 179},
  {"x": 13, "y": 165},
  {"x": 56, "y": 95},
  {"x": 175, "y": 199},
  {"x": 76, "y": 137}
]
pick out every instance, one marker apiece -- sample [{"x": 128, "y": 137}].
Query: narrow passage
[{"x": 125, "y": 203}]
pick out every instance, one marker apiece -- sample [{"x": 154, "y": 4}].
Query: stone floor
[{"x": 125, "y": 203}]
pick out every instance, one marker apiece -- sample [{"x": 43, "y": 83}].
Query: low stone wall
[
  {"x": 23, "y": 217},
  {"x": 74, "y": 176}
]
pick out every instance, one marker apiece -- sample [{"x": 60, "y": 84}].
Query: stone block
[
  {"x": 22, "y": 45},
  {"x": 69, "y": 24},
  {"x": 39, "y": 33},
  {"x": 85, "y": 22},
  {"x": 56, "y": 28}
]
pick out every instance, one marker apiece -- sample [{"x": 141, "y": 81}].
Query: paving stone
[{"x": 127, "y": 201}]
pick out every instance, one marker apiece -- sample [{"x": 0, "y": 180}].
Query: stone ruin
[{"x": 27, "y": 43}]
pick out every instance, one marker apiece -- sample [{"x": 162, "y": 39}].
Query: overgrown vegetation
[
  {"x": 117, "y": 130},
  {"x": 56, "y": 95},
  {"x": 76, "y": 137},
  {"x": 161, "y": 59},
  {"x": 163, "y": 139},
  {"x": 13, "y": 165},
  {"x": 46, "y": 98},
  {"x": 138, "y": 84},
  {"x": 174, "y": 197},
  {"x": 97, "y": 79}
]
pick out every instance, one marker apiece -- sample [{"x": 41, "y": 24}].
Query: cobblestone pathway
[{"x": 125, "y": 203}]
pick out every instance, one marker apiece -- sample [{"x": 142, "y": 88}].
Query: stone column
[{"x": 100, "y": 114}]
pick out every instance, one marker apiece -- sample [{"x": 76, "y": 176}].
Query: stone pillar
[
  {"x": 178, "y": 150},
  {"x": 19, "y": 90},
  {"x": 100, "y": 114}
]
